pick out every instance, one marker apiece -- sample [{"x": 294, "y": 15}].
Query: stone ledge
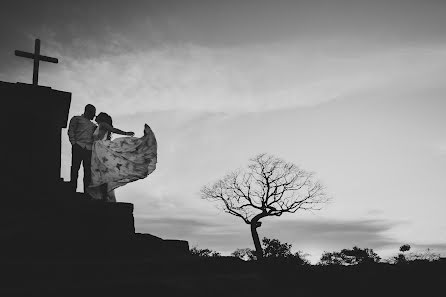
[
  {"x": 76, "y": 227},
  {"x": 74, "y": 218},
  {"x": 147, "y": 245}
]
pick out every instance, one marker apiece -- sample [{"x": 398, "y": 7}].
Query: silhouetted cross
[{"x": 36, "y": 57}]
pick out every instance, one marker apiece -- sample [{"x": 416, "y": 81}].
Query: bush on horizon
[
  {"x": 195, "y": 251},
  {"x": 352, "y": 256},
  {"x": 273, "y": 250},
  {"x": 415, "y": 257}
]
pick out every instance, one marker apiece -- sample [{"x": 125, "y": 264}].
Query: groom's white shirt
[{"x": 80, "y": 131}]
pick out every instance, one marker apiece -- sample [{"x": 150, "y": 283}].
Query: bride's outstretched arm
[{"x": 115, "y": 130}]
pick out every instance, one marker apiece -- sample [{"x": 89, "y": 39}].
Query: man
[{"x": 80, "y": 133}]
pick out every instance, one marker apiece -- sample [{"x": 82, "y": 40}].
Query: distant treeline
[{"x": 274, "y": 250}]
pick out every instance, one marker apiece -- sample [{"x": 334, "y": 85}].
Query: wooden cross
[{"x": 36, "y": 57}]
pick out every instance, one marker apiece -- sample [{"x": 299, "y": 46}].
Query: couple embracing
[{"x": 108, "y": 164}]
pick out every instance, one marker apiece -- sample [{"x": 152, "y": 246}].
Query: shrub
[{"x": 204, "y": 252}]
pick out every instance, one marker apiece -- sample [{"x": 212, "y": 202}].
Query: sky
[{"x": 351, "y": 90}]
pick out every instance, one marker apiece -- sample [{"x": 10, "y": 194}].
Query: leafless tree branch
[{"x": 269, "y": 186}]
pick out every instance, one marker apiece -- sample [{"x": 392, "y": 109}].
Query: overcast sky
[{"x": 352, "y": 90}]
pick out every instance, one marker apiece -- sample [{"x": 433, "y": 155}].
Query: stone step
[{"x": 77, "y": 226}]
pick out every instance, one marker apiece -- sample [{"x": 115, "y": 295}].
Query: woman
[{"x": 117, "y": 162}]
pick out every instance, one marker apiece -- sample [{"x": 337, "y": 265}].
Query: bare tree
[{"x": 268, "y": 187}]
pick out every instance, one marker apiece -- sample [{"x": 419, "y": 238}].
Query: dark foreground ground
[{"x": 214, "y": 277}]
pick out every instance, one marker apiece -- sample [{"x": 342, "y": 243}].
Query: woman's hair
[{"x": 103, "y": 117}]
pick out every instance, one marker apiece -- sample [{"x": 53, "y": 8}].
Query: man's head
[{"x": 90, "y": 111}]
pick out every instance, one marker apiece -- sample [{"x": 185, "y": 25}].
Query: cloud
[
  {"x": 442, "y": 149},
  {"x": 375, "y": 212},
  {"x": 205, "y": 230},
  {"x": 85, "y": 30},
  {"x": 227, "y": 234},
  {"x": 251, "y": 78},
  {"x": 334, "y": 233},
  {"x": 214, "y": 22},
  {"x": 435, "y": 247},
  {"x": 313, "y": 236}
]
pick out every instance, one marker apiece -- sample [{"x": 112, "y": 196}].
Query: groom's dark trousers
[{"x": 80, "y": 155}]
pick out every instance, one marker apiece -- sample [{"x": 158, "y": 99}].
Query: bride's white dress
[{"x": 120, "y": 161}]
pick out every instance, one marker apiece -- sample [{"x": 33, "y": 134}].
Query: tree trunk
[{"x": 255, "y": 238}]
